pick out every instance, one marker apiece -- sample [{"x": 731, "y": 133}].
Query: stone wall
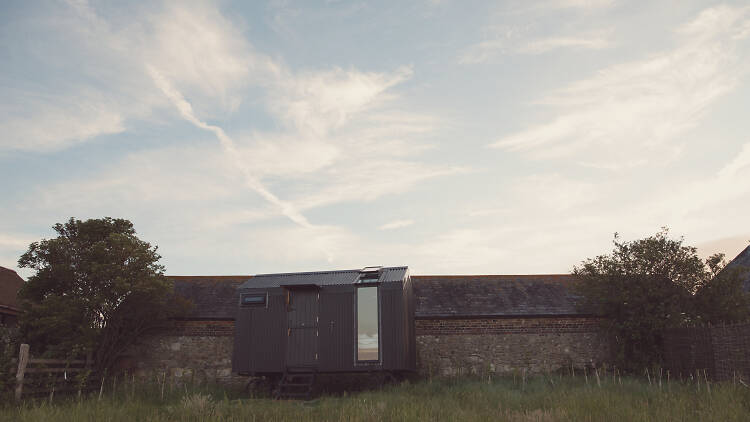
[
  {"x": 448, "y": 347},
  {"x": 201, "y": 351},
  {"x": 190, "y": 352}
]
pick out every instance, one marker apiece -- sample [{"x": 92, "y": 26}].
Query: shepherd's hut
[{"x": 326, "y": 322}]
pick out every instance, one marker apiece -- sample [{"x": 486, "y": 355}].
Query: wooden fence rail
[{"x": 30, "y": 373}]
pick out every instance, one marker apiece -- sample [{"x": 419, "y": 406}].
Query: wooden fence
[{"x": 48, "y": 376}]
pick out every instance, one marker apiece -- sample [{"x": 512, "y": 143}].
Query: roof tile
[{"x": 494, "y": 295}]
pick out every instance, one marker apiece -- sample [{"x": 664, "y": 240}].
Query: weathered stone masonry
[
  {"x": 479, "y": 345},
  {"x": 485, "y": 326},
  {"x": 192, "y": 351},
  {"x": 464, "y": 324},
  {"x": 197, "y": 348},
  {"x": 201, "y": 351}
]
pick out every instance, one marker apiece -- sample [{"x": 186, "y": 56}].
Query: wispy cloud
[
  {"x": 728, "y": 186},
  {"x": 319, "y": 101},
  {"x": 199, "y": 50},
  {"x": 460, "y": 250},
  {"x": 340, "y": 134},
  {"x": 596, "y": 41},
  {"x": 16, "y": 241},
  {"x": 366, "y": 181},
  {"x": 11, "y": 248},
  {"x": 53, "y": 122},
  {"x": 396, "y": 224},
  {"x": 533, "y": 28},
  {"x": 228, "y": 145},
  {"x": 632, "y": 110},
  {"x": 512, "y": 40},
  {"x": 579, "y": 4}
]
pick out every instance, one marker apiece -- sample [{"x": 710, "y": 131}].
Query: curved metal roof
[{"x": 322, "y": 278}]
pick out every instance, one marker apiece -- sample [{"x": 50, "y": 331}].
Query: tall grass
[{"x": 540, "y": 398}]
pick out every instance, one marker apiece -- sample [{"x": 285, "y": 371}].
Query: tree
[
  {"x": 647, "y": 285},
  {"x": 97, "y": 287},
  {"x": 722, "y": 300}
]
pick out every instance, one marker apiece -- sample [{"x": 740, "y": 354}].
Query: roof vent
[{"x": 370, "y": 273}]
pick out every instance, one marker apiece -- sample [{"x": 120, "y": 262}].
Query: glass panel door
[{"x": 367, "y": 324}]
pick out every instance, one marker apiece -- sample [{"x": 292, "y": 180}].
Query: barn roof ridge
[
  {"x": 495, "y": 275},
  {"x": 208, "y": 276},
  {"x": 401, "y": 267},
  {"x": 10, "y": 283},
  {"x": 742, "y": 262},
  {"x": 483, "y": 279},
  {"x": 495, "y": 295}
]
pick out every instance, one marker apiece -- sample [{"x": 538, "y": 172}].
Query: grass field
[{"x": 541, "y": 398}]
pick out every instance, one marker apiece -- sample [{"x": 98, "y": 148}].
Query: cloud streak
[
  {"x": 228, "y": 145},
  {"x": 641, "y": 106},
  {"x": 596, "y": 41},
  {"x": 511, "y": 40},
  {"x": 396, "y": 224}
]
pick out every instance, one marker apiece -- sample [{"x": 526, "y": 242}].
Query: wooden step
[{"x": 296, "y": 382}]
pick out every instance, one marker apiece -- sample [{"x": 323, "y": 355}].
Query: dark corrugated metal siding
[
  {"x": 242, "y": 346},
  {"x": 269, "y": 334},
  {"x": 260, "y": 335},
  {"x": 411, "y": 306},
  {"x": 337, "y": 340},
  {"x": 265, "y": 342},
  {"x": 391, "y": 310},
  {"x": 302, "y": 326}
]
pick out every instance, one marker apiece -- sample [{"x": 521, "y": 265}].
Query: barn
[
  {"x": 10, "y": 283},
  {"x": 462, "y": 324}
]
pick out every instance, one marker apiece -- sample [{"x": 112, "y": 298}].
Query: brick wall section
[
  {"x": 731, "y": 345},
  {"x": 722, "y": 351},
  {"x": 447, "y": 347},
  {"x": 687, "y": 350},
  {"x": 505, "y": 325}
]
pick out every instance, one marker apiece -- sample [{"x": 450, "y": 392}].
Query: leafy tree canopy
[
  {"x": 647, "y": 285},
  {"x": 97, "y": 287}
]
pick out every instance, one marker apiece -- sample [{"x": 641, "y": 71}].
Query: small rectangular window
[{"x": 253, "y": 300}]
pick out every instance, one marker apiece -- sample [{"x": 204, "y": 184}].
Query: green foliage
[
  {"x": 647, "y": 285},
  {"x": 722, "y": 299},
  {"x": 97, "y": 287}
]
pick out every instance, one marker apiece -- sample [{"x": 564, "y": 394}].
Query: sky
[{"x": 454, "y": 137}]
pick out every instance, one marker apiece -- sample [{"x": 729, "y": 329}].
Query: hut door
[{"x": 302, "y": 327}]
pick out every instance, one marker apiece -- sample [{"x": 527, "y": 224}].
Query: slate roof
[
  {"x": 213, "y": 297},
  {"x": 494, "y": 295},
  {"x": 742, "y": 261},
  {"x": 10, "y": 283},
  {"x": 321, "y": 278},
  {"x": 216, "y": 297}
]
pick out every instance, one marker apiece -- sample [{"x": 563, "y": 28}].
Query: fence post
[{"x": 23, "y": 360}]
